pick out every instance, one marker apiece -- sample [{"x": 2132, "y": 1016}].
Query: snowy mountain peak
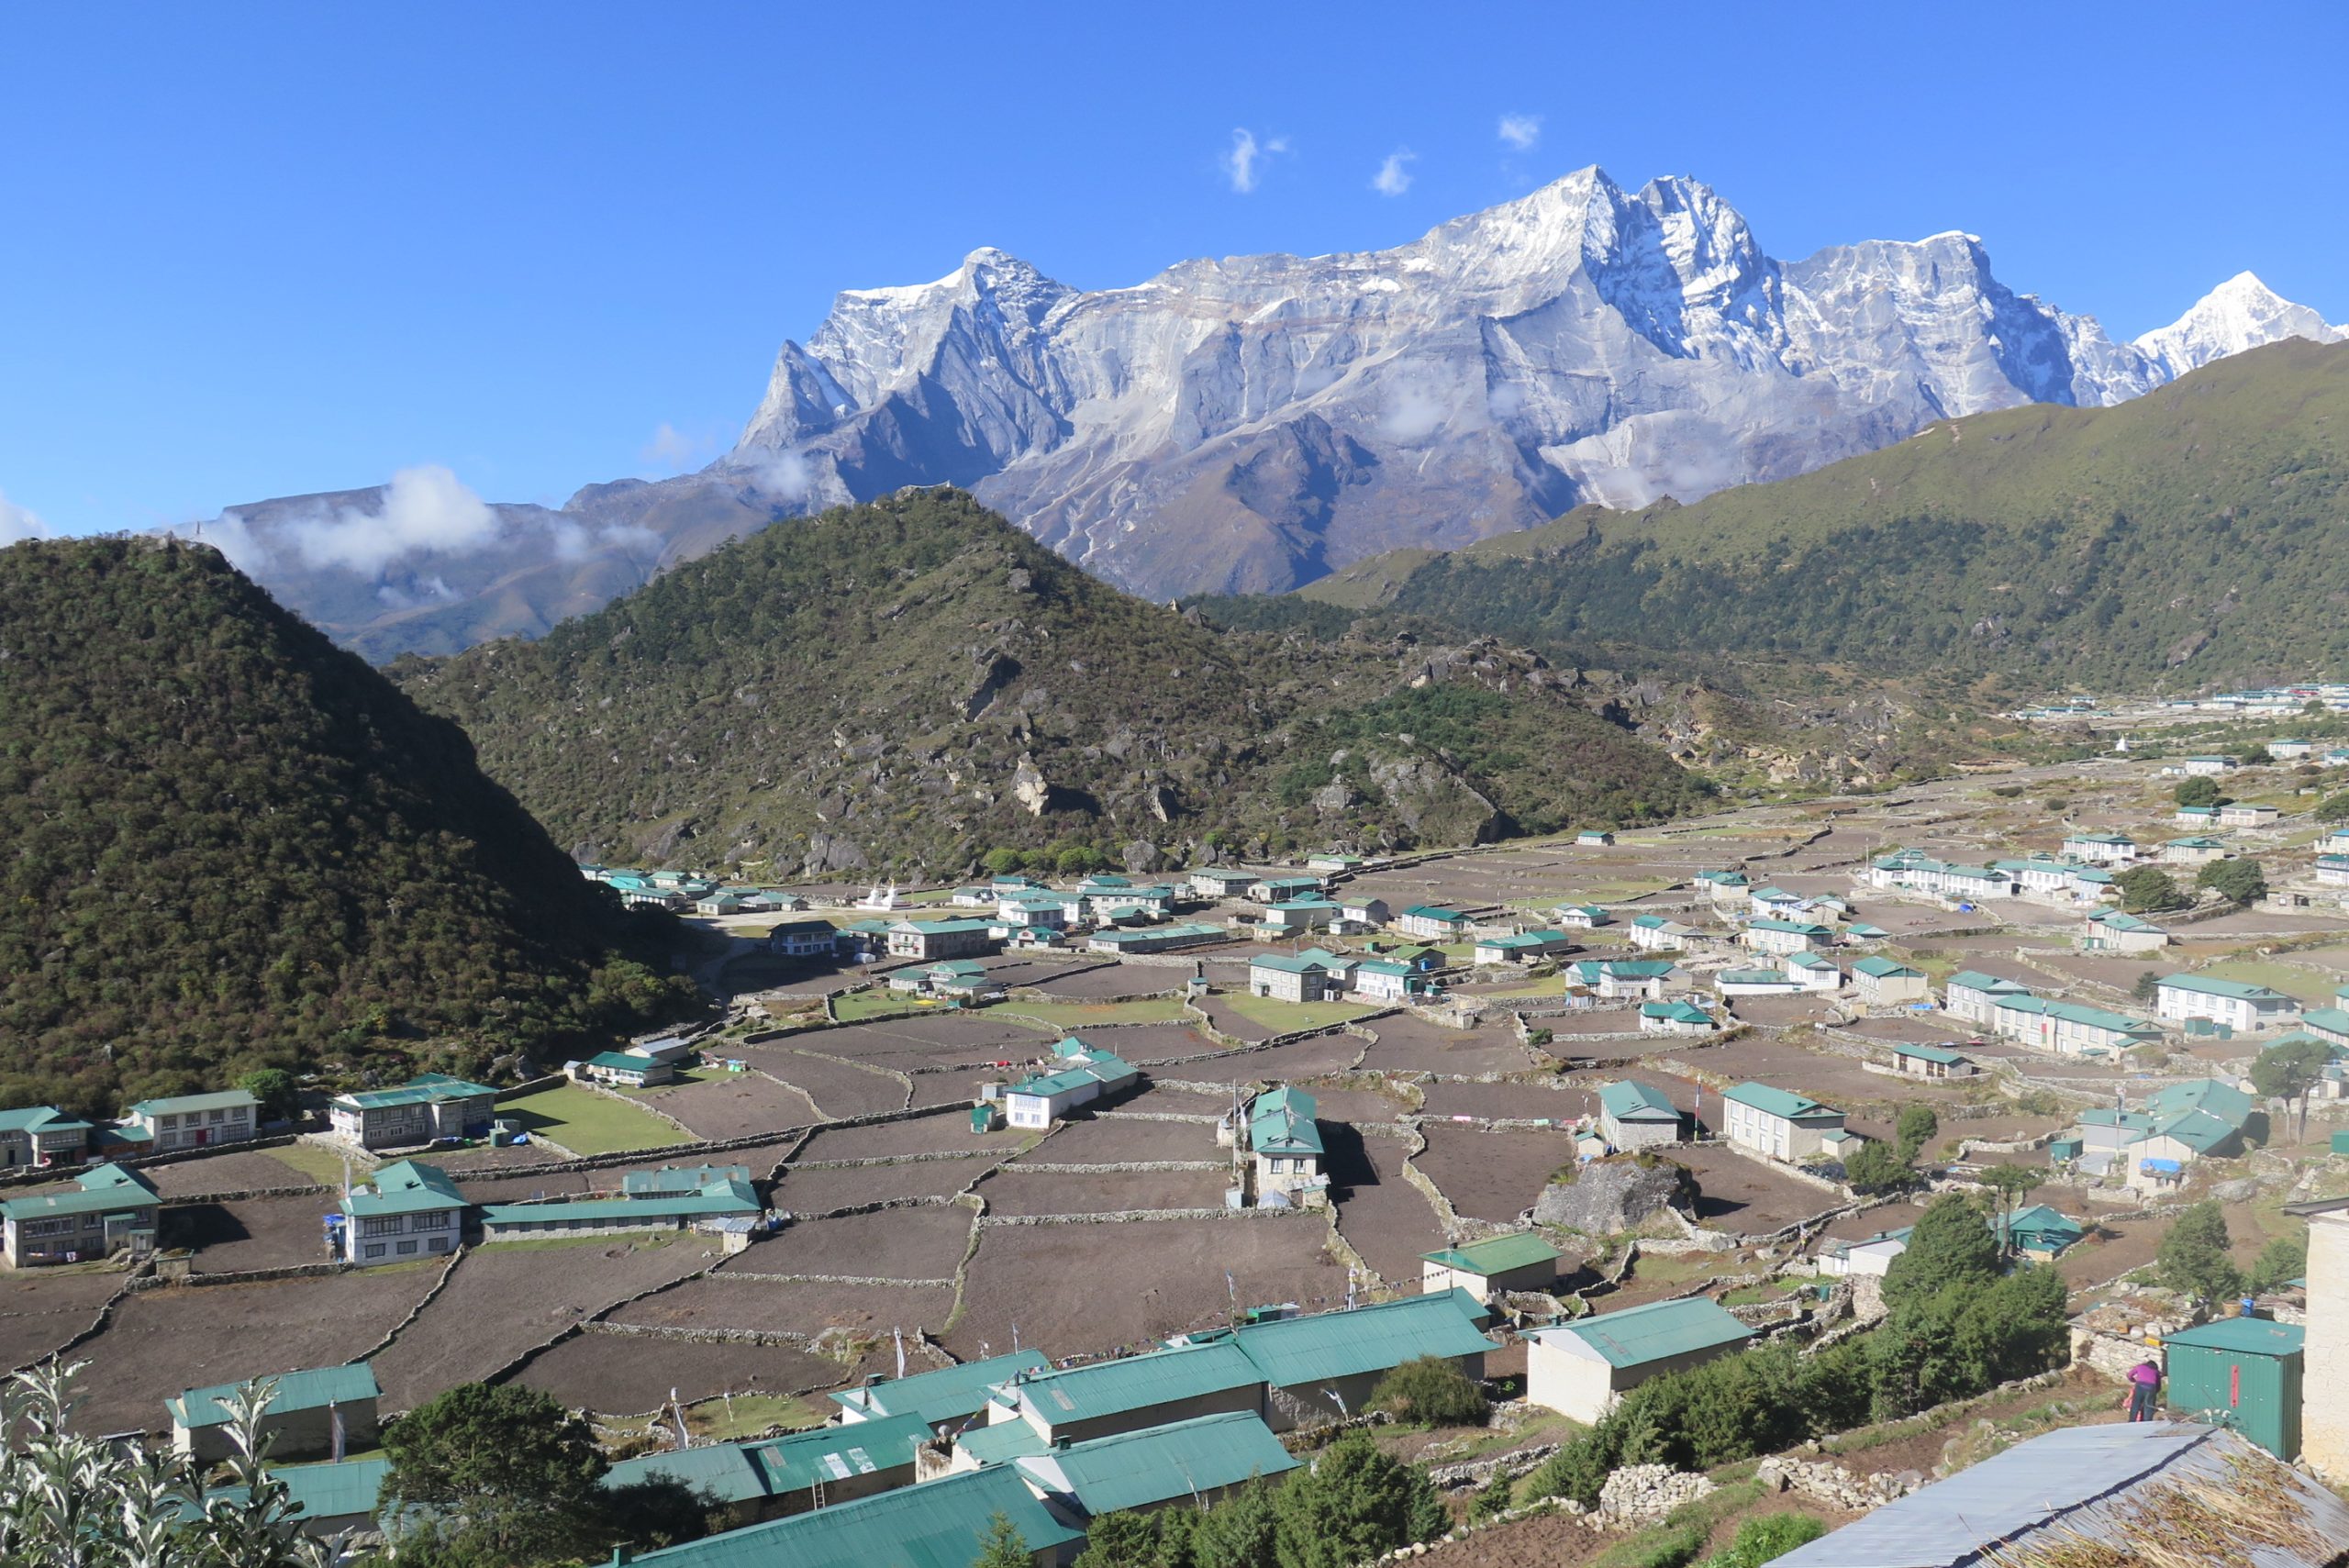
[{"x": 2241, "y": 313}]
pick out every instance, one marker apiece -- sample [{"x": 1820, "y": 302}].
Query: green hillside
[
  {"x": 234, "y": 845},
  {"x": 2188, "y": 538},
  {"x": 909, "y": 684}
]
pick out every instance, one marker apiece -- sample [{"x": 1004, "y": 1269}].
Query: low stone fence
[
  {"x": 242, "y": 1276},
  {"x": 448, "y": 1271}
]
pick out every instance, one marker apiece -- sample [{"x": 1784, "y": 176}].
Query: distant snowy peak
[{"x": 2241, "y": 313}]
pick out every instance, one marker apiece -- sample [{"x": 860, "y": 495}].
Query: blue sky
[{"x": 250, "y": 251}]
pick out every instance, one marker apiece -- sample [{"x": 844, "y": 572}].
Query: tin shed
[{"x": 2246, "y": 1369}]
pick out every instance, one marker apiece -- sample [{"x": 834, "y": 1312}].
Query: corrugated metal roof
[
  {"x": 407, "y": 1187},
  {"x": 1135, "y": 1470},
  {"x": 1496, "y": 1254},
  {"x": 310, "y": 1390},
  {"x": 1002, "y": 1442},
  {"x": 1630, "y": 1100},
  {"x": 939, "y": 1524},
  {"x": 2245, "y": 1335},
  {"x": 947, "y": 1395},
  {"x": 1137, "y": 1382},
  {"x": 835, "y": 1453},
  {"x": 1293, "y": 1350},
  {"x": 1638, "y": 1335},
  {"x": 1780, "y": 1103},
  {"x": 2080, "y": 1481}
]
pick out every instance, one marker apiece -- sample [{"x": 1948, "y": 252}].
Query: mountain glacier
[{"x": 1252, "y": 423}]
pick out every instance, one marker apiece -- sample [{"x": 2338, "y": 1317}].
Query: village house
[
  {"x": 777, "y": 1477},
  {"x": 1913, "y": 872},
  {"x": 1320, "y": 1365},
  {"x": 1521, "y": 947},
  {"x": 1776, "y": 901},
  {"x": 2239, "y": 1005},
  {"x": 1678, "y": 1016},
  {"x": 1779, "y": 1125},
  {"x": 1193, "y": 1463},
  {"x": 2113, "y": 930},
  {"x": 960, "y": 979},
  {"x": 1216, "y": 884},
  {"x": 1100, "y": 1399},
  {"x": 1490, "y": 1269},
  {"x": 2334, "y": 842},
  {"x": 722, "y": 903},
  {"x": 1582, "y": 1369},
  {"x": 622, "y": 1070},
  {"x": 1283, "y": 889},
  {"x": 1755, "y": 983},
  {"x": 2195, "y": 816},
  {"x": 1335, "y": 861},
  {"x": 1623, "y": 978},
  {"x": 1157, "y": 939},
  {"x": 2288, "y": 750},
  {"x": 725, "y": 1193},
  {"x": 2038, "y": 1234},
  {"x": 1284, "y": 1141},
  {"x": 1811, "y": 972},
  {"x": 1632, "y": 1115},
  {"x": 1130, "y": 904},
  {"x": 2038, "y": 876},
  {"x": 1049, "y": 909},
  {"x": 2330, "y": 1025},
  {"x": 2093, "y": 885},
  {"x": 1364, "y": 912},
  {"x": 1654, "y": 933},
  {"x": 944, "y": 1399},
  {"x": 2069, "y": 1029},
  {"x": 1385, "y": 980},
  {"x": 1298, "y": 917},
  {"x": 1581, "y": 917},
  {"x": 1313, "y": 975},
  {"x": 1432, "y": 922},
  {"x": 40, "y": 1137},
  {"x": 932, "y": 1521},
  {"x": 191, "y": 1122},
  {"x": 803, "y": 939},
  {"x": 933, "y": 939},
  {"x": 1724, "y": 887},
  {"x": 428, "y": 1107},
  {"x": 2100, "y": 848},
  {"x": 316, "y": 1414},
  {"x": 1975, "y": 997},
  {"x": 1881, "y": 982},
  {"x": 1084, "y": 1077},
  {"x": 1782, "y": 937},
  {"x": 2205, "y": 767},
  {"x": 1933, "y": 1062},
  {"x": 403, "y": 1211},
  {"x": 2245, "y": 814},
  {"x": 106, "y": 1210},
  {"x": 2195, "y": 850},
  {"x": 2332, "y": 870}
]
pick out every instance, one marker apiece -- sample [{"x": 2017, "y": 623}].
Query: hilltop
[
  {"x": 2187, "y": 536},
  {"x": 907, "y": 684},
  {"x": 235, "y": 845}
]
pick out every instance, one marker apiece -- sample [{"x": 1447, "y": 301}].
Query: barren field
[
  {"x": 39, "y": 1311},
  {"x": 837, "y": 1088},
  {"x": 806, "y": 1191},
  {"x": 1110, "y": 1140},
  {"x": 898, "y": 1243},
  {"x": 1408, "y": 1045},
  {"x": 504, "y": 1300},
  {"x": 239, "y": 1171},
  {"x": 1492, "y": 1176},
  {"x": 1232, "y": 1022},
  {"x": 1382, "y": 1216},
  {"x": 792, "y": 1307},
  {"x": 1366, "y": 1104},
  {"x": 1746, "y": 1197},
  {"x": 1170, "y": 1273},
  {"x": 163, "y": 1342},
  {"x": 735, "y": 1105},
  {"x": 1115, "y": 980},
  {"x": 1110, "y": 1192},
  {"x": 623, "y": 1374},
  {"x": 525, "y": 1183},
  {"x": 945, "y": 1132},
  {"x": 1555, "y": 1100},
  {"x": 250, "y": 1233},
  {"x": 1143, "y": 1044},
  {"x": 1317, "y": 1057}
]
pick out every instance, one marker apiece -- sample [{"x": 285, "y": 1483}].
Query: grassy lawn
[
  {"x": 746, "y": 1415},
  {"x": 859, "y": 1007},
  {"x": 321, "y": 1164},
  {"x": 1286, "y": 1016},
  {"x": 2305, "y": 984},
  {"x": 703, "y": 1074},
  {"x": 1078, "y": 1015},
  {"x": 588, "y": 1123}
]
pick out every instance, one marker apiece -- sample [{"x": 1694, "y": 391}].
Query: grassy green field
[
  {"x": 2305, "y": 984},
  {"x": 1287, "y": 1015},
  {"x": 588, "y": 1123},
  {"x": 1080, "y": 1014},
  {"x": 748, "y": 1415},
  {"x": 860, "y": 1006},
  {"x": 319, "y": 1163}
]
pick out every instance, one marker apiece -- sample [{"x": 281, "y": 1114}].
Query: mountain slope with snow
[{"x": 2241, "y": 313}]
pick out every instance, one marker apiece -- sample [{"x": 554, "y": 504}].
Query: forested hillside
[
  {"x": 909, "y": 685},
  {"x": 2189, "y": 537},
  {"x": 233, "y": 845}
]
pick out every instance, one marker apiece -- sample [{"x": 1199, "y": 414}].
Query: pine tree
[
  {"x": 2192, "y": 1258},
  {"x": 1950, "y": 1244},
  {"x": 1003, "y": 1546}
]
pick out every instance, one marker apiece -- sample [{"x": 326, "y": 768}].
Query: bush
[
  {"x": 2145, "y": 889},
  {"x": 1432, "y": 1392},
  {"x": 2240, "y": 882},
  {"x": 2197, "y": 792},
  {"x": 1675, "y": 1546},
  {"x": 1767, "y": 1537},
  {"x": 2333, "y": 807}
]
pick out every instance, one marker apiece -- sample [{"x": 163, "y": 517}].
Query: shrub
[
  {"x": 1767, "y": 1537},
  {"x": 1433, "y": 1392}
]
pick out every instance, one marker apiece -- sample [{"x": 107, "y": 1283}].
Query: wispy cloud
[
  {"x": 426, "y": 510},
  {"x": 19, "y": 523},
  {"x": 1394, "y": 177},
  {"x": 1522, "y": 133},
  {"x": 674, "y": 449},
  {"x": 1243, "y": 165}
]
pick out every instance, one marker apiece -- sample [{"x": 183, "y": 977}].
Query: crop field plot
[
  {"x": 1239, "y": 1026},
  {"x": 162, "y": 1343},
  {"x": 1144, "y": 1044},
  {"x": 522, "y": 1184},
  {"x": 1090, "y": 985},
  {"x": 736, "y": 1104},
  {"x": 894, "y": 1244},
  {"x": 1364, "y": 1104},
  {"x": 622, "y": 1375},
  {"x": 1746, "y": 1197},
  {"x": 1381, "y": 1214},
  {"x": 250, "y": 1233},
  {"x": 1822, "y": 1076},
  {"x": 1919, "y": 1029},
  {"x": 1784, "y": 1011},
  {"x": 1287, "y": 1017},
  {"x": 1316, "y": 1056},
  {"x": 942, "y": 1132},
  {"x": 40, "y": 1309},
  {"x": 1011, "y": 1192},
  {"x": 1111, "y": 1140},
  {"x": 1077, "y": 1016},
  {"x": 239, "y": 1171},
  {"x": 816, "y": 1191},
  {"x": 1170, "y": 1099},
  {"x": 943, "y": 1037},
  {"x": 504, "y": 1300},
  {"x": 958, "y": 1085},
  {"x": 837, "y": 1088},
  {"x": 1606, "y": 1019},
  {"x": 586, "y": 1122},
  {"x": 1555, "y": 1100},
  {"x": 1407, "y": 1044},
  {"x": 1170, "y": 1275},
  {"x": 806, "y": 1308},
  {"x": 1492, "y": 1176}
]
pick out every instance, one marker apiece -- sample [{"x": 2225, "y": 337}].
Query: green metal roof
[
  {"x": 947, "y": 1395},
  {"x": 1137, "y": 1382},
  {"x": 1779, "y": 1103},
  {"x": 835, "y": 1453},
  {"x": 1929, "y": 1053},
  {"x": 719, "y": 1197},
  {"x": 319, "y": 1491},
  {"x": 1885, "y": 968},
  {"x": 429, "y": 1088},
  {"x": 621, "y": 1061},
  {"x": 940, "y": 1524},
  {"x": 1280, "y": 1122},
  {"x": 2243, "y": 1336},
  {"x": 1754, "y": 977},
  {"x": 2207, "y": 985},
  {"x": 1496, "y": 1254},
  {"x": 39, "y": 1119},
  {"x": 1804, "y": 928},
  {"x": 1289, "y": 1352},
  {"x": 2332, "y": 1020},
  {"x": 180, "y": 1105},
  {"x": 312, "y": 1390},
  {"x": 1434, "y": 912},
  {"x": 681, "y": 1179},
  {"x": 723, "y": 1471},
  {"x": 1677, "y": 1012},
  {"x": 1158, "y": 1464},
  {"x": 1975, "y": 980},
  {"x": 1002, "y": 1442},
  {"x": 1639, "y": 1335},
  {"x": 2222, "y": 1100},
  {"x": 1631, "y": 1101},
  {"x": 405, "y": 1188},
  {"x": 101, "y": 1190}
]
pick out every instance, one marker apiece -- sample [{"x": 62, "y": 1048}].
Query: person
[{"x": 2145, "y": 1381}]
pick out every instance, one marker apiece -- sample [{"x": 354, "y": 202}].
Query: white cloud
[
  {"x": 230, "y": 535},
  {"x": 1411, "y": 416},
  {"x": 1392, "y": 177},
  {"x": 674, "y": 449},
  {"x": 19, "y": 523},
  {"x": 783, "y": 476},
  {"x": 1522, "y": 133},
  {"x": 1241, "y": 164},
  {"x": 426, "y": 510}
]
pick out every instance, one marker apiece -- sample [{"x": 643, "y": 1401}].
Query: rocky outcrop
[{"x": 1611, "y": 1195}]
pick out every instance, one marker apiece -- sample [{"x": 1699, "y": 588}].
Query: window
[
  {"x": 169, "y": 1121},
  {"x": 406, "y": 1247},
  {"x": 374, "y": 1249},
  {"x": 220, "y": 1117},
  {"x": 437, "y": 1244}
]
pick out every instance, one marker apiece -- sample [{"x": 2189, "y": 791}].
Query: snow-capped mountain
[
  {"x": 1255, "y": 422},
  {"x": 2241, "y": 313},
  {"x": 1250, "y": 424}
]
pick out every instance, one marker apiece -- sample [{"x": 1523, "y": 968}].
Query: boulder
[{"x": 1617, "y": 1193}]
